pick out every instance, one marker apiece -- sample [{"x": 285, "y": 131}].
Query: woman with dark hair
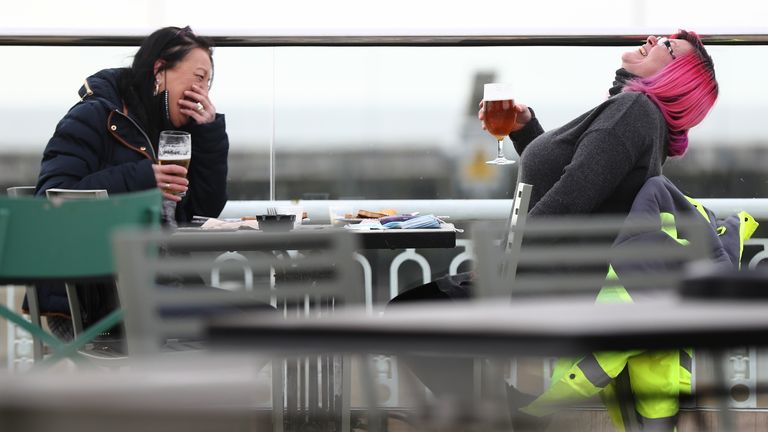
[{"x": 108, "y": 140}]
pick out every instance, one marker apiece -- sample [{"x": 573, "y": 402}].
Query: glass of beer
[
  {"x": 174, "y": 147},
  {"x": 500, "y": 116}
]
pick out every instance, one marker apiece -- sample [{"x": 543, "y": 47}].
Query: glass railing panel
[{"x": 352, "y": 122}]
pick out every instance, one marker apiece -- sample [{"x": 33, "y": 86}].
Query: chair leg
[
  {"x": 34, "y": 314},
  {"x": 74, "y": 309},
  {"x": 71, "y": 349},
  {"x": 368, "y": 380},
  {"x": 277, "y": 394}
]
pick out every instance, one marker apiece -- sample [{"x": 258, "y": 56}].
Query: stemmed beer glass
[
  {"x": 174, "y": 147},
  {"x": 500, "y": 116}
]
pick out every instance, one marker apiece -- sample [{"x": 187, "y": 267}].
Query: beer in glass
[
  {"x": 500, "y": 116},
  {"x": 174, "y": 148}
]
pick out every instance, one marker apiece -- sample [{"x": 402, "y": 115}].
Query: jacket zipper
[{"x": 144, "y": 134}]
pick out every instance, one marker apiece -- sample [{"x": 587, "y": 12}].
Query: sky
[
  {"x": 383, "y": 96},
  {"x": 369, "y": 17}
]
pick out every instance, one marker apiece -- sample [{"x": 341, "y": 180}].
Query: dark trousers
[{"x": 449, "y": 377}]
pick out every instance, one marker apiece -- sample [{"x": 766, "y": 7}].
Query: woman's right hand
[
  {"x": 523, "y": 116},
  {"x": 171, "y": 178}
]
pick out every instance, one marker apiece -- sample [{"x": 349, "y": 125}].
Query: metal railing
[{"x": 382, "y": 40}]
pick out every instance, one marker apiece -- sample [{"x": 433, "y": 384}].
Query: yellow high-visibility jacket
[{"x": 642, "y": 389}]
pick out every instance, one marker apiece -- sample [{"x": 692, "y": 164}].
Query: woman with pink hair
[
  {"x": 595, "y": 163},
  {"x": 598, "y": 162}
]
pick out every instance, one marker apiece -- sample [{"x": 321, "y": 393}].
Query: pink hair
[{"x": 685, "y": 90}]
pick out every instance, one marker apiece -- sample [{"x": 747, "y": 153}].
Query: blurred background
[
  {"x": 388, "y": 122},
  {"x": 351, "y": 120}
]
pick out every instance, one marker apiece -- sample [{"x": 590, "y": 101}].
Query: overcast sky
[{"x": 375, "y": 17}]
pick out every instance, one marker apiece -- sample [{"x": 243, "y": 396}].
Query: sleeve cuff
[
  {"x": 213, "y": 134},
  {"x": 146, "y": 175},
  {"x": 531, "y": 130}
]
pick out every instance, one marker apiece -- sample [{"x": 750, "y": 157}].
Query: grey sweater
[{"x": 597, "y": 162}]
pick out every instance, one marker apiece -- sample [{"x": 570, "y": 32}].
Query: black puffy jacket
[{"x": 99, "y": 144}]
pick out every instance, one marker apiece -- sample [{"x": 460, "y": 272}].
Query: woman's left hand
[{"x": 197, "y": 105}]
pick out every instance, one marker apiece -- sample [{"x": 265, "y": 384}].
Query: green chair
[
  {"x": 58, "y": 194},
  {"x": 31, "y": 290},
  {"x": 43, "y": 241}
]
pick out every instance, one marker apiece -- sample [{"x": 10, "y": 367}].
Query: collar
[{"x": 622, "y": 76}]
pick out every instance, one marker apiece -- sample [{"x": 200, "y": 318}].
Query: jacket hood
[{"x": 103, "y": 85}]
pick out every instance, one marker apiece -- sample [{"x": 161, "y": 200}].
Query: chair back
[
  {"x": 167, "y": 297},
  {"x": 592, "y": 256},
  {"x": 54, "y": 194},
  {"x": 511, "y": 243},
  {"x": 42, "y": 240},
  {"x": 511, "y": 239},
  {"x": 19, "y": 191}
]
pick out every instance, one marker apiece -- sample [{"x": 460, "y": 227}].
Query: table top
[
  {"x": 443, "y": 237},
  {"x": 499, "y": 328}
]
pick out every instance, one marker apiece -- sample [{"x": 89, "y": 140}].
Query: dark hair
[
  {"x": 685, "y": 90},
  {"x": 137, "y": 84},
  {"x": 695, "y": 40}
]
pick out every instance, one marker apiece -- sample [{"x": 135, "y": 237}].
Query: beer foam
[{"x": 498, "y": 91}]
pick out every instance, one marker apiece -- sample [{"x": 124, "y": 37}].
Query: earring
[{"x": 157, "y": 88}]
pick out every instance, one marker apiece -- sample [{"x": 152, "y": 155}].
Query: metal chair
[
  {"x": 297, "y": 273},
  {"x": 31, "y": 290},
  {"x": 70, "y": 194},
  {"x": 43, "y": 241},
  {"x": 571, "y": 257},
  {"x": 584, "y": 248},
  {"x": 512, "y": 239},
  {"x": 19, "y": 191},
  {"x": 72, "y": 295},
  {"x": 73, "y": 298}
]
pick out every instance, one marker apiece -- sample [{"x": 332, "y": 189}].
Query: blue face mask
[{"x": 425, "y": 221}]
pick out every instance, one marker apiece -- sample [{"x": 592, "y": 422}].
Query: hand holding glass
[
  {"x": 174, "y": 148},
  {"x": 500, "y": 116}
]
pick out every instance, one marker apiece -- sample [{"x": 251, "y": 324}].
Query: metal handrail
[{"x": 379, "y": 40}]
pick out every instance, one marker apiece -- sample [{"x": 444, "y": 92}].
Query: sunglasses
[
  {"x": 186, "y": 31},
  {"x": 665, "y": 41}
]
